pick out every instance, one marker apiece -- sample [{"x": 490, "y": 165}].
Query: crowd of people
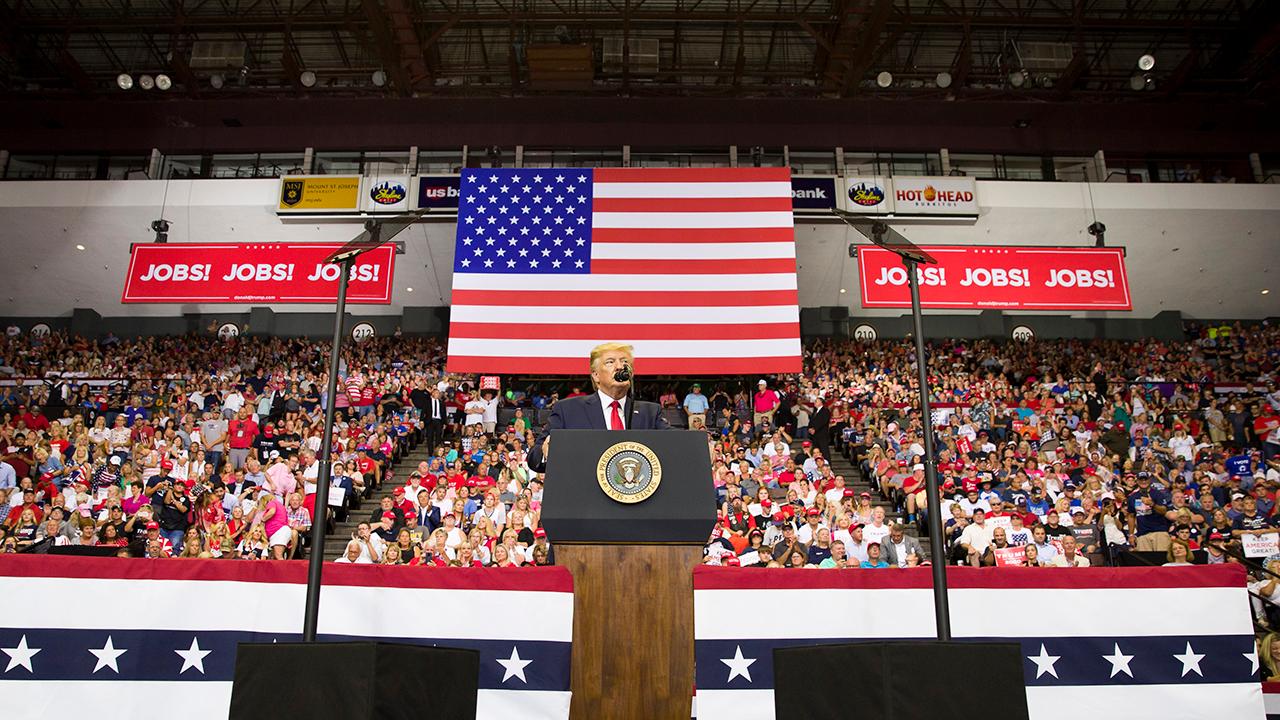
[{"x": 1065, "y": 452}]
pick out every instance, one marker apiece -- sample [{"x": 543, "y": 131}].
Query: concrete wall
[{"x": 1202, "y": 250}]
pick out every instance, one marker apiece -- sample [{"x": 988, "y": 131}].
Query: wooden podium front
[
  {"x": 632, "y": 565},
  {"x": 632, "y": 629}
]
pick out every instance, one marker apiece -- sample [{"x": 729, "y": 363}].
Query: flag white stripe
[
  {"x": 739, "y": 704},
  {"x": 1113, "y": 611},
  {"x": 881, "y": 613},
  {"x": 668, "y": 220},
  {"x": 344, "y": 609},
  {"x": 893, "y": 613},
  {"x": 765, "y": 189},
  {"x": 691, "y": 251},
  {"x": 1132, "y": 702},
  {"x": 212, "y": 700},
  {"x": 643, "y": 348},
  {"x": 703, "y": 317},
  {"x": 623, "y": 283},
  {"x": 1147, "y": 702}
]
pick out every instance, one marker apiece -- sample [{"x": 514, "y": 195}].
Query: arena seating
[{"x": 1092, "y": 452}]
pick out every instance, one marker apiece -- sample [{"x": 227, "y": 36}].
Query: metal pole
[
  {"x": 941, "y": 612},
  {"x": 319, "y": 524}
]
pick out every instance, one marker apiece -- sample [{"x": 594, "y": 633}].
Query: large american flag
[{"x": 696, "y": 267}]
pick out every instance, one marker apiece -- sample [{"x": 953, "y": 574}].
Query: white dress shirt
[{"x": 605, "y": 402}]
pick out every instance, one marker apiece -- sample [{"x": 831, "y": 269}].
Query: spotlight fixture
[
  {"x": 1266, "y": 292},
  {"x": 124, "y": 81},
  {"x": 79, "y": 247},
  {"x": 884, "y": 79},
  {"x": 307, "y": 78},
  {"x": 1146, "y": 63},
  {"x": 161, "y": 229},
  {"x": 146, "y": 82},
  {"x": 217, "y": 80},
  {"x": 164, "y": 82},
  {"x": 379, "y": 78},
  {"x": 1098, "y": 231},
  {"x": 944, "y": 79},
  {"x": 1018, "y": 78}
]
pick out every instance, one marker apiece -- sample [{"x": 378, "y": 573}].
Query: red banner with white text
[
  {"x": 999, "y": 278},
  {"x": 254, "y": 273}
]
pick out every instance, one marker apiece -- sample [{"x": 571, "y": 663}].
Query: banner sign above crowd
[
  {"x": 911, "y": 196},
  {"x": 253, "y": 273},
  {"x": 318, "y": 194},
  {"x": 1002, "y": 278}
]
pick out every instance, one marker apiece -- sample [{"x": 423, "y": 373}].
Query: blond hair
[{"x": 602, "y": 348}]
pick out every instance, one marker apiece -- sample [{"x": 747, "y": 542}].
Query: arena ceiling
[{"x": 1005, "y": 50}]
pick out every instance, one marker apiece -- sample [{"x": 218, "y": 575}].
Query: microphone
[{"x": 622, "y": 374}]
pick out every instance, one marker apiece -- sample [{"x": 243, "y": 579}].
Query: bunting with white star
[
  {"x": 1136, "y": 643},
  {"x": 171, "y": 639}
]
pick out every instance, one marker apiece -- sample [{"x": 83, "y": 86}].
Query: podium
[{"x": 629, "y": 512}]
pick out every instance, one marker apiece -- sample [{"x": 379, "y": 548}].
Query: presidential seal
[{"x": 629, "y": 472}]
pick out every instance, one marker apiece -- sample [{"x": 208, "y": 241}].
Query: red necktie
[{"x": 615, "y": 421}]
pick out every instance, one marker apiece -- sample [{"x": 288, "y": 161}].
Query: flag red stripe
[
  {"x": 630, "y": 298},
  {"x": 644, "y": 366},
  {"x": 691, "y": 235},
  {"x": 693, "y": 267},
  {"x": 566, "y": 331},
  {"x": 706, "y": 175},
  {"x": 688, "y": 204}
]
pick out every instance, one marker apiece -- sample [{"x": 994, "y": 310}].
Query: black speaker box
[
  {"x": 354, "y": 681},
  {"x": 900, "y": 681}
]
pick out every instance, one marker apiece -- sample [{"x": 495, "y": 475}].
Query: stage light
[
  {"x": 79, "y": 247},
  {"x": 884, "y": 79},
  {"x": 217, "y": 80},
  {"x": 1018, "y": 78},
  {"x": 944, "y": 79},
  {"x": 1146, "y": 63},
  {"x": 307, "y": 78},
  {"x": 146, "y": 82},
  {"x": 124, "y": 81},
  {"x": 379, "y": 78},
  {"x": 163, "y": 81}
]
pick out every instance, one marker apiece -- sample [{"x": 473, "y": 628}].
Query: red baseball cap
[
  {"x": 166, "y": 465},
  {"x": 539, "y": 533},
  {"x": 388, "y": 516},
  {"x": 153, "y": 526},
  {"x": 848, "y": 492},
  {"x": 733, "y": 561},
  {"x": 398, "y": 491},
  {"x": 813, "y": 511}
]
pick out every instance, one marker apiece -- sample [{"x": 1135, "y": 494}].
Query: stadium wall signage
[
  {"x": 253, "y": 273},
  {"x": 318, "y": 194},
  {"x": 1001, "y": 278}
]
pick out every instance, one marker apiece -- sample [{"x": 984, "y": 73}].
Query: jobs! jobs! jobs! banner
[
  {"x": 1009, "y": 278},
  {"x": 253, "y": 273}
]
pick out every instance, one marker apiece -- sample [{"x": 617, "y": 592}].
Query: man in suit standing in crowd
[{"x": 610, "y": 407}]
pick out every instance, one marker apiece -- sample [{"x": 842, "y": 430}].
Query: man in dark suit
[
  {"x": 820, "y": 427},
  {"x": 610, "y": 407}
]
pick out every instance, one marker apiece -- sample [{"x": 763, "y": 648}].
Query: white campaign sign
[{"x": 1260, "y": 545}]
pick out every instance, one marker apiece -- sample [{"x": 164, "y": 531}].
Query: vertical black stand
[
  {"x": 876, "y": 231},
  {"x": 319, "y": 523},
  {"x": 941, "y": 610}
]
